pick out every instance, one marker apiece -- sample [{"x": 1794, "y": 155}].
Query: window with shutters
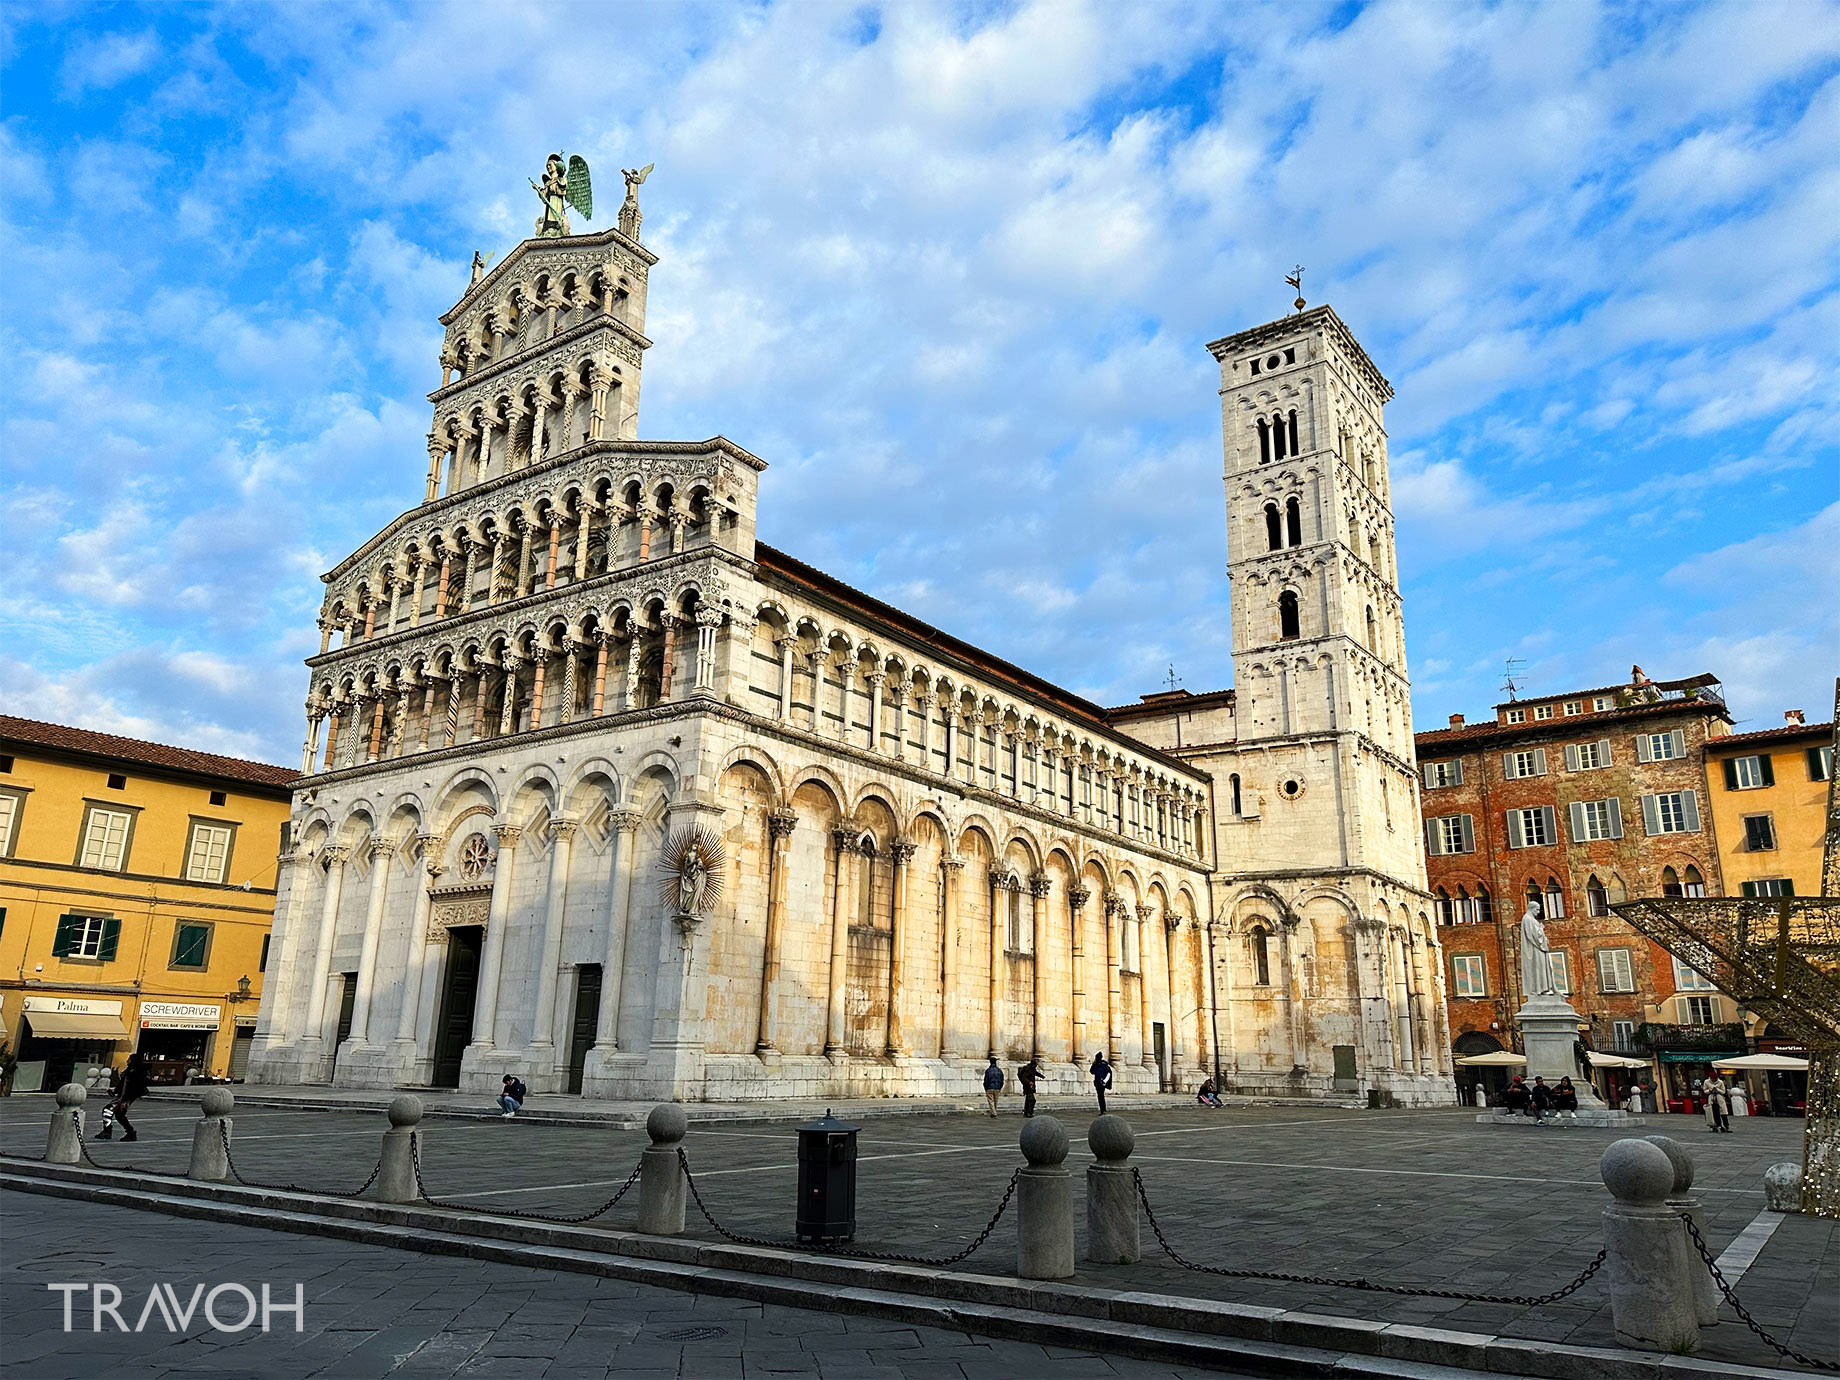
[
  {"x": 191, "y": 945},
  {"x": 1699, "y": 1010},
  {"x": 1441, "y": 774},
  {"x": 1517, "y": 716},
  {"x": 1531, "y": 828},
  {"x": 11, "y": 807},
  {"x": 93, "y": 937},
  {"x": 1555, "y": 899},
  {"x": 1748, "y": 773},
  {"x": 1596, "y": 898},
  {"x": 1821, "y": 763},
  {"x": 1450, "y": 834},
  {"x": 1661, "y": 747},
  {"x": 1615, "y": 971},
  {"x": 1672, "y": 812},
  {"x": 1561, "y": 971},
  {"x": 1469, "y": 975},
  {"x": 1515, "y": 765},
  {"x": 1768, "y": 886},
  {"x": 1686, "y": 980},
  {"x": 1596, "y": 819},
  {"x": 1622, "y": 1035},
  {"x": 1543, "y": 711},
  {"x": 207, "y": 855},
  {"x": 105, "y": 839},
  {"x": 1759, "y": 833},
  {"x": 1587, "y": 756}
]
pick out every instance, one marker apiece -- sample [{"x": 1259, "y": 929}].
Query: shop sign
[
  {"x": 180, "y": 1015},
  {"x": 1694, "y": 1056},
  {"x": 75, "y": 1006}
]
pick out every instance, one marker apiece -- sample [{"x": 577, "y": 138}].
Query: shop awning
[
  {"x": 1500, "y": 1058},
  {"x": 75, "y": 1025},
  {"x": 1762, "y": 1061},
  {"x": 1614, "y": 1061}
]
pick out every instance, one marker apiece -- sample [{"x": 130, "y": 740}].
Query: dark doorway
[
  {"x": 347, "y": 1000},
  {"x": 1160, "y": 1044},
  {"x": 587, "y": 1024},
  {"x": 453, "y": 1027}
]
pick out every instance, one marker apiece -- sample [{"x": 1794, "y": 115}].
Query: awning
[
  {"x": 1762, "y": 1061},
  {"x": 1697, "y": 1056},
  {"x": 73, "y": 1025},
  {"x": 1614, "y": 1061},
  {"x": 1500, "y": 1058}
]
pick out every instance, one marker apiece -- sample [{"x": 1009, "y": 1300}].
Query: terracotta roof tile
[
  {"x": 62, "y": 737},
  {"x": 1788, "y": 733}
]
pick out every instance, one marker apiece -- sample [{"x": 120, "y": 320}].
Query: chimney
[
  {"x": 1794, "y": 716},
  {"x": 1636, "y": 677},
  {"x": 1456, "y": 721}
]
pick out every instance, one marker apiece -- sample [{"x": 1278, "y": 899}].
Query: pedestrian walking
[
  {"x": 1516, "y": 1098},
  {"x": 133, "y": 1087},
  {"x": 1027, "y": 1076},
  {"x": 511, "y": 1096},
  {"x": 993, "y": 1084},
  {"x": 1718, "y": 1105},
  {"x": 1541, "y": 1098},
  {"x": 1565, "y": 1102},
  {"x": 1208, "y": 1095},
  {"x": 1102, "y": 1078}
]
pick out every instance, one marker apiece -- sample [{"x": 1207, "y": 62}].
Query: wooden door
[{"x": 459, "y": 986}]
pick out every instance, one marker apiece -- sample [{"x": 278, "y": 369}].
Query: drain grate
[{"x": 693, "y": 1334}]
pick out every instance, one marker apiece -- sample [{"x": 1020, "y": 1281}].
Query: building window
[
  {"x": 1601, "y": 703},
  {"x": 1450, "y": 834},
  {"x": 1555, "y": 899},
  {"x": 1596, "y": 819},
  {"x": 1515, "y": 765},
  {"x": 105, "y": 839},
  {"x": 1445, "y": 914},
  {"x": 1661, "y": 747},
  {"x": 1274, "y": 528},
  {"x": 1673, "y": 812},
  {"x": 1670, "y": 882},
  {"x": 1264, "y": 440},
  {"x": 1596, "y": 899},
  {"x": 1573, "y": 707},
  {"x": 191, "y": 946},
  {"x": 10, "y": 808},
  {"x": 1759, "y": 833},
  {"x": 117, "y": 782},
  {"x": 86, "y": 936},
  {"x": 1699, "y": 1010},
  {"x": 1293, "y": 523},
  {"x": 1474, "y": 910},
  {"x": 1543, "y": 711},
  {"x": 1440, "y": 774},
  {"x": 1232, "y": 781},
  {"x": 1615, "y": 972},
  {"x": 1748, "y": 773},
  {"x": 262, "y": 962},
  {"x": 1532, "y": 828},
  {"x": 1587, "y": 756},
  {"x": 1469, "y": 975},
  {"x": 1768, "y": 886},
  {"x": 1692, "y": 884},
  {"x": 1561, "y": 971},
  {"x": 207, "y": 856},
  {"x": 1821, "y": 763},
  {"x": 1622, "y": 1035},
  {"x": 1517, "y": 716},
  {"x": 1288, "y": 625},
  {"x": 1687, "y": 980},
  {"x": 1261, "y": 958}
]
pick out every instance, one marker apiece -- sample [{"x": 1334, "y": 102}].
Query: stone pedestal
[
  {"x": 396, "y": 1170},
  {"x": 1549, "y": 1038},
  {"x": 1112, "y": 1236},
  {"x": 1044, "y": 1203},
  {"x": 661, "y": 1173},
  {"x": 64, "y": 1143},
  {"x": 211, "y": 1137}
]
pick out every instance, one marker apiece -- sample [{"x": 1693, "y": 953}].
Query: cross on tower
[{"x": 1172, "y": 678}]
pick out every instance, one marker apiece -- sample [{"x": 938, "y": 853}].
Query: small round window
[
  {"x": 1292, "y": 787},
  {"x": 1273, "y": 361}
]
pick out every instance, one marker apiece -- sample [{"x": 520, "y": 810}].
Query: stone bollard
[
  {"x": 396, "y": 1169},
  {"x": 1650, "y": 1303},
  {"x": 1700, "y": 1284},
  {"x": 210, "y": 1152},
  {"x": 64, "y": 1144},
  {"x": 1112, "y": 1236},
  {"x": 1782, "y": 1186},
  {"x": 1044, "y": 1203},
  {"x": 661, "y": 1175}
]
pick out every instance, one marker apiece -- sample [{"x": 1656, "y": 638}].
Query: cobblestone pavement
[
  {"x": 371, "y": 1311},
  {"x": 1408, "y": 1197}
]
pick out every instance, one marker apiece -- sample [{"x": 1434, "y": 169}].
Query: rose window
[{"x": 475, "y": 856}]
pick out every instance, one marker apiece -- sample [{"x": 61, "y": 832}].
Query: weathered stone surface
[
  {"x": 1782, "y": 1187},
  {"x": 1646, "y": 1269},
  {"x": 64, "y": 1139}
]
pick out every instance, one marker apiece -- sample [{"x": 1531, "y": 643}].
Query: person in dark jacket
[
  {"x": 993, "y": 1084},
  {"x": 1101, "y": 1071},
  {"x": 1541, "y": 1097},
  {"x": 511, "y": 1097},
  {"x": 133, "y": 1087},
  {"x": 1516, "y": 1098},
  {"x": 1027, "y": 1076},
  {"x": 1565, "y": 1102},
  {"x": 1207, "y": 1094}
]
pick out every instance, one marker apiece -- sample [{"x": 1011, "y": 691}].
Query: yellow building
[
  {"x": 137, "y": 886},
  {"x": 1769, "y": 806}
]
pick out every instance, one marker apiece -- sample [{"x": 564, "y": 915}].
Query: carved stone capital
[
  {"x": 781, "y": 823},
  {"x": 430, "y": 845},
  {"x": 1146, "y": 913},
  {"x": 708, "y": 617},
  {"x": 848, "y": 840},
  {"x": 1078, "y": 896},
  {"x": 335, "y": 854},
  {"x": 952, "y": 864},
  {"x": 563, "y": 828},
  {"x": 1040, "y": 884},
  {"x": 902, "y": 851},
  {"x": 382, "y": 848},
  {"x": 508, "y": 834},
  {"x": 622, "y": 821}
]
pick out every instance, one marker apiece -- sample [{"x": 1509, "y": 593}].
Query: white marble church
[{"x": 603, "y": 792}]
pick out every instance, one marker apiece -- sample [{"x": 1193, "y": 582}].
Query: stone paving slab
[{"x": 1417, "y": 1197}]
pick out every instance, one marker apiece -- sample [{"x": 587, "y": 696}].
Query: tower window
[
  {"x": 1370, "y": 631},
  {"x": 1277, "y": 431},
  {"x": 1261, "y": 959},
  {"x": 1293, "y": 521},
  {"x": 1264, "y": 441},
  {"x": 1233, "y": 781},
  {"x": 1288, "y": 626},
  {"x": 1274, "y": 538},
  {"x": 1293, "y": 431}
]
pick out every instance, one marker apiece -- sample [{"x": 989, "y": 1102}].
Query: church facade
[{"x": 604, "y": 792}]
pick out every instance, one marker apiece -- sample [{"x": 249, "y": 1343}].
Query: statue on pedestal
[
  {"x": 560, "y": 190},
  {"x": 1536, "y": 955}
]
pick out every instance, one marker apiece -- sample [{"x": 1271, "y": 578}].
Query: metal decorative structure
[{"x": 1779, "y": 956}]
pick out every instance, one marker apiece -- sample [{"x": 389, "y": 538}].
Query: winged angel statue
[{"x": 560, "y": 190}]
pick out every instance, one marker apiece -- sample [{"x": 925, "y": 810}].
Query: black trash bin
[{"x": 827, "y": 1180}]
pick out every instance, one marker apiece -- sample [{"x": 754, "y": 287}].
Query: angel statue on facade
[
  {"x": 1536, "y": 955},
  {"x": 560, "y": 190},
  {"x": 629, "y": 209}
]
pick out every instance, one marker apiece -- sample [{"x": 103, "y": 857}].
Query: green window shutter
[
  {"x": 1616, "y": 818},
  {"x": 1552, "y": 824},
  {"x": 1651, "y": 815},
  {"x": 1678, "y": 739},
  {"x": 1731, "y": 773},
  {"x": 1507, "y": 766},
  {"x": 1432, "y": 850},
  {"x": 189, "y": 946},
  {"x": 1539, "y": 761},
  {"x": 1456, "y": 768},
  {"x": 1747, "y": 888},
  {"x": 111, "y": 936},
  {"x": 1466, "y": 824},
  {"x": 1603, "y": 752},
  {"x": 1576, "y": 810},
  {"x": 262, "y": 962},
  {"x": 65, "y": 936},
  {"x": 1515, "y": 839},
  {"x": 1642, "y": 746},
  {"x": 1769, "y": 772},
  {"x": 1689, "y": 802}
]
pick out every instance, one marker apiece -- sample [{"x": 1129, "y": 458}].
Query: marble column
[
  {"x": 335, "y": 857},
  {"x": 1001, "y": 885},
  {"x": 524, "y": 572},
  {"x": 948, "y": 928},
  {"x": 623, "y": 828},
  {"x": 780, "y": 826},
  {"x": 665, "y": 669},
  {"x": 584, "y": 527},
  {"x": 1172, "y": 947},
  {"x": 1077, "y": 897},
  {"x": 375, "y": 750},
  {"x": 600, "y": 672},
  {"x": 1041, "y": 886},
  {"x": 492, "y": 961},
  {"x": 1145, "y": 914},
  {"x": 315, "y": 717},
  {"x": 332, "y": 739},
  {"x": 786, "y": 646},
  {"x": 571, "y": 654},
  {"x": 407, "y": 1018},
  {"x": 440, "y": 593},
  {"x": 924, "y": 703},
  {"x": 849, "y": 848},
  {"x": 539, "y": 656},
  {"x": 1116, "y": 912},
  {"x": 708, "y": 619},
  {"x": 543, "y": 1025},
  {"x": 382, "y": 851},
  {"x": 877, "y": 680},
  {"x": 555, "y": 542},
  {"x": 629, "y": 688},
  {"x": 902, "y": 852}
]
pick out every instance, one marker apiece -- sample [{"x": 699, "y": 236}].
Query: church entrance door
[
  {"x": 587, "y": 1023},
  {"x": 453, "y": 1030}
]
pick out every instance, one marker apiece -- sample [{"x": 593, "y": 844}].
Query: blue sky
[{"x": 950, "y": 270}]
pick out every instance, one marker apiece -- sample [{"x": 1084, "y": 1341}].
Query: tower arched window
[
  {"x": 1264, "y": 441},
  {"x": 1535, "y": 896},
  {"x": 1233, "y": 783},
  {"x": 1293, "y": 522},
  {"x": 1274, "y": 537},
  {"x": 1445, "y": 915},
  {"x": 1261, "y": 958},
  {"x": 1288, "y": 624},
  {"x": 1291, "y": 426},
  {"x": 865, "y": 886},
  {"x": 1466, "y": 908},
  {"x": 1596, "y": 897},
  {"x": 1278, "y": 437},
  {"x": 1372, "y": 646},
  {"x": 1485, "y": 905}
]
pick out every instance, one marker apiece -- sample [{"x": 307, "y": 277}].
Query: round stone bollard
[
  {"x": 64, "y": 1143},
  {"x": 1044, "y": 1203},
  {"x": 1112, "y": 1235},
  {"x": 1651, "y": 1303},
  {"x": 396, "y": 1169},
  {"x": 210, "y": 1137},
  {"x": 661, "y": 1174},
  {"x": 1680, "y": 1198},
  {"x": 1782, "y": 1186}
]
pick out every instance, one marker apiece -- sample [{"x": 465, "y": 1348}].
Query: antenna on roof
[
  {"x": 1175, "y": 681},
  {"x": 1508, "y": 683}
]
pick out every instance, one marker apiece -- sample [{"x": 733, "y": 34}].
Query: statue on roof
[
  {"x": 629, "y": 209},
  {"x": 561, "y": 189}
]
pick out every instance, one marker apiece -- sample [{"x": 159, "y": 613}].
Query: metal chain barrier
[
  {"x": 1524, "y": 1301},
  {"x": 83, "y": 1148},
  {"x": 415, "y": 1157},
  {"x": 1705, "y": 1254},
  {"x": 1009, "y": 1192},
  {"x": 237, "y": 1174}
]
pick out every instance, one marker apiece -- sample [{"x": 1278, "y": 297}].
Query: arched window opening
[
  {"x": 1670, "y": 882},
  {"x": 1372, "y": 645},
  {"x": 1277, "y": 437},
  {"x": 1012, "y": 921},
  {"x": 1264, "y": 441},
  {"x": 1274, "y": 538},
  {"x": 865, "y": 886},
  {"x": 1485, "y": 905},
  {"x": 1597, "y": 899},
  {"x": 1293, "y": 522},
  {"x": 1441, "y": 905},
  {"x": 1288, "y": 625},
  {"x": 1293, "y": 431},
  {"x": 1555, "y": 899},
  {"x": 1466, "y": 908},
  {"x": 1534, "y": 895},
  {"x": 1261, "y": 958},
  {"x": 1692, "y": 884},
  {"x": 1233, "y": 783}
]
